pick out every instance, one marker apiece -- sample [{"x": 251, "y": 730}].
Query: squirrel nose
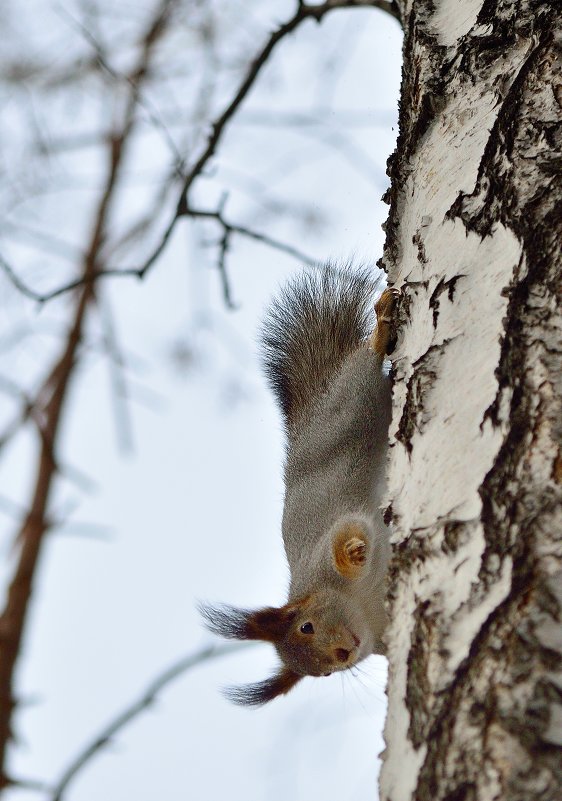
[{"x": 342, "y": 655}]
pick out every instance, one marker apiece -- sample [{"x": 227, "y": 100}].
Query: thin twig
[
  {"x": 26, "y": 411},
  {"x": 267, "y": 118},
  {"x": 139, "y": 272},
  {"x": 132, "y": 710},
  {"x": 32, "y": 785},
  {"x": 143, "y": 102},
  {"x": 233, "y": 228},
  {"x": 39, "y": 239},
  {"x": 224, "y": 246},
  {"x": 303, "y": 12},
  {"x": 31, "y": 534},
  {"x": 123, "y": 421},
  {"x": 77, "y": 283}
]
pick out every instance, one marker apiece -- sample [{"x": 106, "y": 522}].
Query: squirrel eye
[{"x": 307, "y": 628}]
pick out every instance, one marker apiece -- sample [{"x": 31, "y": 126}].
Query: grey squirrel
[{"x": 325, "y": 365}]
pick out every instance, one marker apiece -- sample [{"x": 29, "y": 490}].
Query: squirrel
[{"x": 325, "y": 366}]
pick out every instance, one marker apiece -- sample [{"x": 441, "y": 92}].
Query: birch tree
[{"x": 473, "y": 241}]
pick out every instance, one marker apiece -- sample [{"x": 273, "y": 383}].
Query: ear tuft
[
  {"x": 226, "y": 621},
  {"x": 263, "y": 691},
  {"x": 269, "y": 624}
]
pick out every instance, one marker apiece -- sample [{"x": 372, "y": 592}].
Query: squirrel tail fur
[{"x": 316, "y": 322}]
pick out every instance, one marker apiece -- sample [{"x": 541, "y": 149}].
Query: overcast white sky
[{"x": 193, "y": 512}]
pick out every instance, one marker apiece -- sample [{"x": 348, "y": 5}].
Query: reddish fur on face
[{"x": 270, "y": 624}]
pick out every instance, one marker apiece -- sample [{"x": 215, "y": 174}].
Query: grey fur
[
  {"x": 335, "y": 399},
  {"x": 337, "y": 440}
]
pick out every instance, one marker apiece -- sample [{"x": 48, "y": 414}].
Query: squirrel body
[{"x": 325, "y": 365}]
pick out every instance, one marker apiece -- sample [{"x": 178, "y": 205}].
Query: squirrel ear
[
  {"x": 269, "y": 624},
  {"x": 263, "y": 691},
  {"x": 349, "y": 548}
]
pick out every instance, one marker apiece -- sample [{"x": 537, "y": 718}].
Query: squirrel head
[
  {"x": 315, "y": 635},
  {"x": 312, "y": 636}
]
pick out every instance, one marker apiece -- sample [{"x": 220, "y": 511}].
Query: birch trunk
[{"x": 473, "y": 240}]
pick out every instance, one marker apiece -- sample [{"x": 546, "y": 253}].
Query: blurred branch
[
  {"x": 54, "y": 394},
  {"x": 123, "y": 422},
  {"x": 233, "y": 228},
  {"x": 34, "y": 526},
  {"x": 303, "y": 12},
  {"x": 41, "y": 239},
  {"x": 17, "y": 282},
  {"x": 25, "y": 411},
  {"x": 84, "y": 280},
  {"x": 133, "y": 80},
  {"x": 347, "y": 118},
  {"x": 229, "y": 228},
  {"x": 224, "y": 246},
  {"x": 32, "y": 785},
  {"x": 365, "y": 166},
  {"x": 28, "y": 71},
  {"x": 146, "y": 699}
]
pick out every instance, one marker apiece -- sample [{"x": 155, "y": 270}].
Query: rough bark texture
[{"x": 473, "y": 239}]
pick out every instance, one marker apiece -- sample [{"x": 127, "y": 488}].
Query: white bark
[{"x": 473, "y": 240}]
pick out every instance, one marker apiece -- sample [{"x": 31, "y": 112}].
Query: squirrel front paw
[
  {"x": 355, "y": 551},
  {"x": 349, "y": 548},
  {"x": 384, "y": 308}
]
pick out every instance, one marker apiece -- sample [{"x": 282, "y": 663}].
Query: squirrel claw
[
  {"x": 355, "y": 551},
  {"x": 385, "y": 304},
  {"x": 384, "y": 308}
]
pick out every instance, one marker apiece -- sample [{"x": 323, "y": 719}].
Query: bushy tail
[{"x": 318, "y": 319}]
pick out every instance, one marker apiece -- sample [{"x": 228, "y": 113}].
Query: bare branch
[
  {"x": 324, "y": 116},
  {"x": 146, "y": 699},
  {"x": 123, "y": 422},
  {"x": 139, "y": 272},
  {"x": 24, "y": 413},
  {"x": 17, "y": 282},
  {"x": 30, "y": 537},
  {"x": 224, "y": 246},
  {"x": 255, "y": 235},
  {"x": 41, "y": 239},
  {"x": 32, "y": 785},
  {"x": 133, "y": 78},
  {"x": 267, "y": 118},
  {"x": 84, "y": 280},
  {"x": 303, "y": 12}
]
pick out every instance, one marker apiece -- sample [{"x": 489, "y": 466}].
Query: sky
[{"x": 176, "y": 491}]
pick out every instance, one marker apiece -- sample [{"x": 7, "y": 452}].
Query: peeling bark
[{"x": 473, "y": 240}]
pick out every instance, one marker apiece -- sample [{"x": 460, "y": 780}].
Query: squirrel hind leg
[{"x": 384, "y": 308}]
